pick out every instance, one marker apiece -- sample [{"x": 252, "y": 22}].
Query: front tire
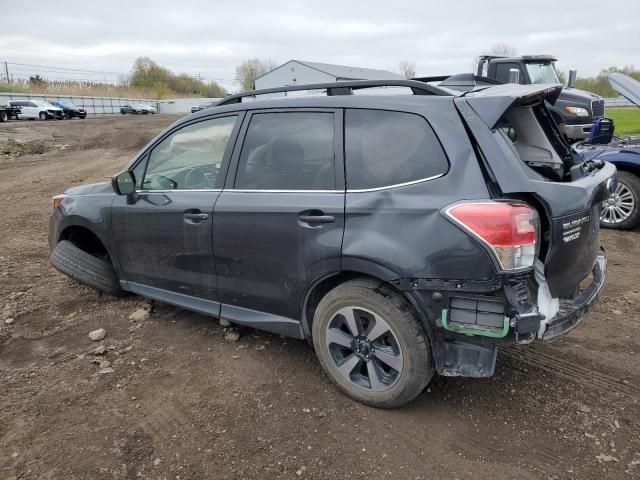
[
  {"x": 370, "y": 343},
  {"x": 622, "y": 209},
  {"x": 4, "y": 117},
  {"x": 85, "y": 268}
]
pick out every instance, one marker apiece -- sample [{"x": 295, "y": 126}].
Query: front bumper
[
  {"x": 572, "y": 312},
  {"x": 577, "y": 131}
]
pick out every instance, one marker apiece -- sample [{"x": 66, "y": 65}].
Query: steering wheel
[{"x": 202, "y": 176}]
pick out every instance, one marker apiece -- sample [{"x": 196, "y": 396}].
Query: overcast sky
[{"x": 209, "y": 38}]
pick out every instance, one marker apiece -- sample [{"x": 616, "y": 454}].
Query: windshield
[
  {"x": 542, "y": 72},
  {"x": 64, "y": 104}
]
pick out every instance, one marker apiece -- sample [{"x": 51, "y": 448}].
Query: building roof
[
  {"x": 344, "y": 72},
  {"x": 352, "y": 73}
]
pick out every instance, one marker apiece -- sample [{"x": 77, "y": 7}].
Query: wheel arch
[{"x": 323, "y": 285}]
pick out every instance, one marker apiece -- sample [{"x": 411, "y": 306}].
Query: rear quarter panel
[{"x": 400, "y": 232}]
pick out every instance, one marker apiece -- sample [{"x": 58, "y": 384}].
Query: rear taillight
[{"x": 509, "y": 229}]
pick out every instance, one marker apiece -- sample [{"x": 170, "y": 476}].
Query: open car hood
[
  {"x": 491, "y": 103},
  {"x": 626, "y": 86}
]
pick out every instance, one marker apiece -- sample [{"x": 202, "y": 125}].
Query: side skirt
[{"x": 241, "y": 316}]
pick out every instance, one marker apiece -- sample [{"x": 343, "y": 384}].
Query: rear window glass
[
  {"x": 288, "y": 151},
  {"x": 388, "y": 148}
]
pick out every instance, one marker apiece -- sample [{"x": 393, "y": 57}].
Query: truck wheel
[
  {"x": 43, "y": 115},
  {"x": 622, "y": 209},
  {"x": 4, "y": 117},
  {"x": 85, "y": 268},
  {"x": 371, "y": 345}
]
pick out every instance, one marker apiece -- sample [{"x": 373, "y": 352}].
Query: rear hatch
[
  {"x": 626, "y": 86},
  {"x": 525, "y": 156}
]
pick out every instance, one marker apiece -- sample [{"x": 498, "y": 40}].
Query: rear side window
[
  {"x": 288, "y": 151},
  {"x": 389, "y": 148}
]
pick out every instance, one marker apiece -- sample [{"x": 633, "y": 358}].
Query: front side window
[
  {"x": 190, "y": 157},
  {"x": 288, "y": 151},
  {"x": 385, "y": 148}
]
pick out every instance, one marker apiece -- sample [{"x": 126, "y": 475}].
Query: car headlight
[{"x": 578, "y": 111}]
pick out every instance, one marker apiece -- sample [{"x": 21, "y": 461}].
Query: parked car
[
  {"x": 70, "y": 110},
  {"x": 622, "y": 209},
  {"x": 36, "y": 109},
  {"x": 400, "y": 235},
  {"x": 197, "y": 108},
  {"x": 575, "y": 110},
  {"x": 137, "y": 109}
]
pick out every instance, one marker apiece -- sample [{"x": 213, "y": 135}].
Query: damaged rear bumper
[
  {"x": 467, "y": 322},
  {"x": 572, "y": 312}
]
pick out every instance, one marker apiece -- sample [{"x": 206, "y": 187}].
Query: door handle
[
  {"x": 194, "y": 216},
  {"x": 317, "y": 218}
]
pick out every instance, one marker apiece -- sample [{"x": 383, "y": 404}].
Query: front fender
[{"x": 92, "y": 212}]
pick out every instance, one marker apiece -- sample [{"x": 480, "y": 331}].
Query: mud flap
[{"x": 461, "y": 359}]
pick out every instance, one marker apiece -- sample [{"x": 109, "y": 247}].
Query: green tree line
[
  {"x": 164, "y": 83},
  {"x": 600, "y": 84}
]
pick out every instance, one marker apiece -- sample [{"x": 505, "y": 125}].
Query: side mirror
[
  {"x": 124, "y": 183},
  {"x": 573, "y": 74}
]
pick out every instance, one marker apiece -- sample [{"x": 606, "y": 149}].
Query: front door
[
  {"x": 279, "y": 222},
  {"x": 163, "y": 232}
]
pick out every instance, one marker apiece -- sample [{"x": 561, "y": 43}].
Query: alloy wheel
[
  {"x": 619, "y": 206},
  {"x": 364, "y": 349}
]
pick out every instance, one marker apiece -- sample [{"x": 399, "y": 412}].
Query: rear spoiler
[
  {"x": 491, "y": 103},
  {"x": 462, "y": 82}
]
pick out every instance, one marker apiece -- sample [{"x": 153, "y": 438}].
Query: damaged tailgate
[{"x": 534, "y": 161}]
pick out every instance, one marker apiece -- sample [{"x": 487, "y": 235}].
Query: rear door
[
  {"x": 514, "y": 165},
  {"x": 163, "y": 233},
  {"x": 280, "y": 219}
]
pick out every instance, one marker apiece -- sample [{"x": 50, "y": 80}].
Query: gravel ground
[{"x": 172, "y": 394}]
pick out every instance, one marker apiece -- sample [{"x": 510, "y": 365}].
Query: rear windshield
[{"x": 384, "y": 148}]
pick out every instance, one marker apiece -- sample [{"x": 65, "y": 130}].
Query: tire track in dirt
[{"x": 563, "y": 367}]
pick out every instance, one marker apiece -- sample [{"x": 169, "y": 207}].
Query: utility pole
[{"x": 6, "y": 71}]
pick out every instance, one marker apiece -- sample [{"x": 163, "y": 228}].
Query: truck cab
[{"x": 574, "y": 111}]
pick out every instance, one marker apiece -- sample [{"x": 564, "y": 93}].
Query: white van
[{"x": 36, "y": 109}]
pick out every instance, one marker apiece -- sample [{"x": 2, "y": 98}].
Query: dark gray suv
[{"x": 401, "y": 234}]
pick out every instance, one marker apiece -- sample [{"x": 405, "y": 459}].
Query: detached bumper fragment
[{"x": 572, "y": 312}]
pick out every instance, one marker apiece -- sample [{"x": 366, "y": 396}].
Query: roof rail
[{"x": 340, "y": 88}]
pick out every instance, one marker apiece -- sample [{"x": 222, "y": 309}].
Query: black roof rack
[{"x": 341, "y": 88}]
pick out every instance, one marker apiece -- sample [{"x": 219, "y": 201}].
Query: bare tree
[
  {"x": 407, "y": 69},
  {"x": 249, "y": 70},
  {"x": 500, "y": 49}
]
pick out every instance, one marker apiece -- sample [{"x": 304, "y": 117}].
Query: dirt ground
[{"x": 178, "y": 401}]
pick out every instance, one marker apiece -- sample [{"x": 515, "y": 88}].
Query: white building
[{"x": 298, "y": 72}]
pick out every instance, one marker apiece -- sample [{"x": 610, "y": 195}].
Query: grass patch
[
  {"x": 13, "y": 148},
  {"x": 626, "y": 119}
]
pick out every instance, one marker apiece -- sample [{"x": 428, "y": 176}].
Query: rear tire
[
  {"x": 386, "y": 362},
  {"x": 624, "y": 213},
  {"x": 43, "y": 116},
  {"x": 85, "y": 268}
]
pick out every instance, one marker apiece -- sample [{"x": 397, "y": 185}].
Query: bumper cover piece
[{"x": 572, "y": 312}]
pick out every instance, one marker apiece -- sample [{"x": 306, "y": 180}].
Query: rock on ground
[
  {"x": 139, "y": 315},
  {"x": 98, "y": 334}
]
